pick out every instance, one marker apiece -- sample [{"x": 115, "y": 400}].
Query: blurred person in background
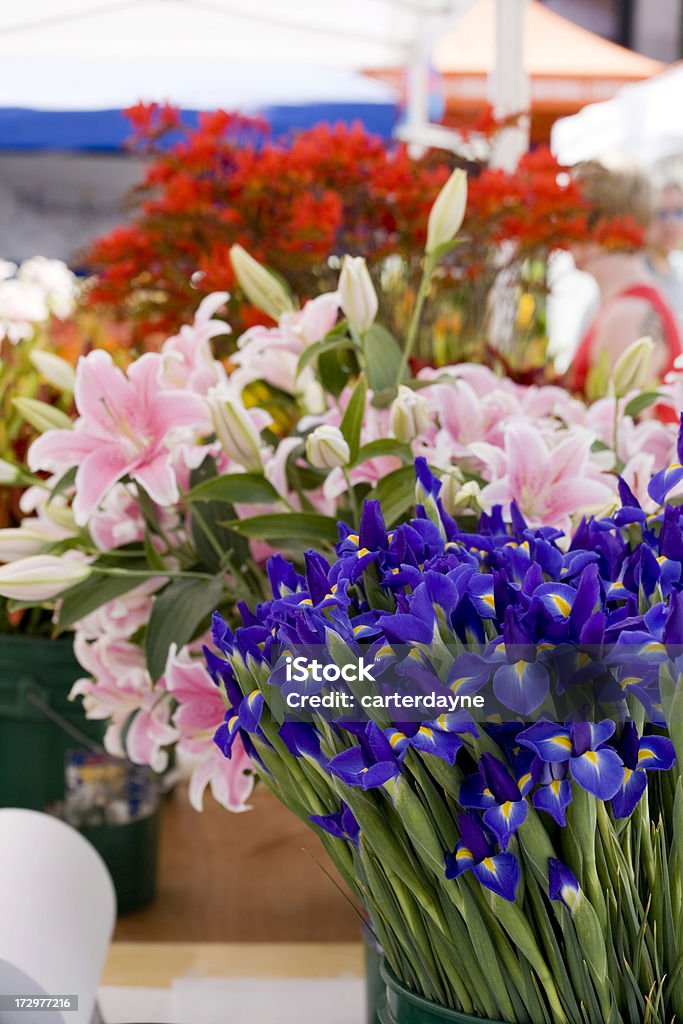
[
  {"x": 632, "y": 303},
  {"x": 664, "y": 258}
]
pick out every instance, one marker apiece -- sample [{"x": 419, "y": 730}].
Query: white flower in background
[
  {"x": 326, "y": 447},
  {"x": 22, "y": 306},
  {"x": 7, "y": 269},
  {"x": 409, "y": 415},
  {"x": 58, "y": 284},
  {"x": 357, "y": 295}
]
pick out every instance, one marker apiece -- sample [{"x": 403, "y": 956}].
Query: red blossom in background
[{"x": 327, "y": 191}]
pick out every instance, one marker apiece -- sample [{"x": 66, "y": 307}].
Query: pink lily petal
[
  {"x": 158, "y": 479},
  {"x": 97, "y": 473}
]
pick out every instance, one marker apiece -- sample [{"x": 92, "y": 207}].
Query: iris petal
[{"x": 600, "y": 772}]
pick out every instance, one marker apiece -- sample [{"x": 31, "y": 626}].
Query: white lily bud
[
  {"x": 448, "y": 212},
  {"x": 451, "y": 484},
  {"x": 235, "y": 430},
  {"x": 258, "y": 284},
  {"x": 56, "y": 371},
  {"x": 467, "y": 499},
  {"x": 42, "y": 416},
  {"x": 21, "y": 542},
  {"x": 632, "y": 368},
  {"x": 9, "y": 474},
  {"x": 409, "y": 415},
  {"x": 326, "y": 447},
  {"x": 41, "y": 577},
  {"x": 357, "y": 295}
]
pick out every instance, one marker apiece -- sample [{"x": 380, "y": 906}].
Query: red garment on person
[{"x": 582, "y": 361}]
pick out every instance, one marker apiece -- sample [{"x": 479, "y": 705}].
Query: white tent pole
[{"x": 509, "y": 89}]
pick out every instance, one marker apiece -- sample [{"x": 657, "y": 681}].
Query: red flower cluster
[{"x": 296, "y": 206}]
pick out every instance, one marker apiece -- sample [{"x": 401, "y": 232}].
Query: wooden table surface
[
  {"x": 251, "y": 877},
  {"x": 157, "y": 964}
]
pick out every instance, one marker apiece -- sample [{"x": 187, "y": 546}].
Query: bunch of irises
[{"x": 525, "y": 864}]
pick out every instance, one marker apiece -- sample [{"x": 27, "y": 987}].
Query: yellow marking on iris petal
[
  {"x": 487, "y": 792},
  {"x": 661, "y": 559},
  {"x": 520, "y": 666},
  {"x": 457, "y": 683},
  {"x": 524, "y": 780},
  {"x": 591, "y": 757},
  {"x": 305, "y": 600},
  {"x": 363, "y": 551},
  {"x": 415, "y": 654},
  {"x": 629, "y": 681},
  {"x": 426, "y": 732},
  {"x": 396, "y": 738},
  {"x": 555, "y": 786},
  {"x": 231, "y": 723},
  {"x": 524, "y": 545},
  {"x": 383, "y": 651},
  {"x": 489, "y": 599},
  {"x": 563, "y": 741},
  {"x": 395, "y": 571},
  {"x": 644, "y": 754},
  {"x": 334, "y": 588},
  {"x": 506, "y": 808},
  {"x": 464, "y": 855},
  {"x": 674, "y": 465},
  {"x": 489, "y": 865},
  {"x": 654, "y": 645},
  {"x": 627, "y": 775},
  {"x": 562, "y": 604},
  {"x": 353, "y": 537}
]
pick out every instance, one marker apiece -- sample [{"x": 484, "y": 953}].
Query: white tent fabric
[
  {"x": 643, "y": 122},
  {"x": 354, "y": 34}
]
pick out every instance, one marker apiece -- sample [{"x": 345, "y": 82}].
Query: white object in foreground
[{"x": 58, "y": 914}]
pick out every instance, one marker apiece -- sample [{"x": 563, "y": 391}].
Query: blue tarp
[{"x": 108, "y": 130}]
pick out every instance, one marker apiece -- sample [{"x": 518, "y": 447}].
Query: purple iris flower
[
  {"x": 563, "y": 884},
  {"x": 341, "y": 824},
  {"x": 370, "y": 764},
  {"x": 592, "y": 763},
  {"x": 666, "y": 479},
  {"x": 639, "y": 755},
  {"x": 493, "y": 791},
  {"x": 476, "y": 852}
]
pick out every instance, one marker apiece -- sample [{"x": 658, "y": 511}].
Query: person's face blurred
[{"x": 666, "y": 231}]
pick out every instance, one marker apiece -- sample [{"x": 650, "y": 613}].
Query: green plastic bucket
[
  {"x": 374, "y": 983},
  {"x": 40, "y": 728},
  {"x": 38, "y": 723},
  {"x": 130, "y": 852},
  {"x": 401, "y": 1006}
]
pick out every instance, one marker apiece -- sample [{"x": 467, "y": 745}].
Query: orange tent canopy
[{"x": 568, "y": 66}]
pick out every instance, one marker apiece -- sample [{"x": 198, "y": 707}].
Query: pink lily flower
[
  {"x": 551, "y": 483},
  {"x": 122, "y": 430},
  {"x": 120, "y": 686},
  {"x": 200, "y": 712},
  {"x": 187, "y": 360}
]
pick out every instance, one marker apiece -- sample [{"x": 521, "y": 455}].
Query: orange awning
[{"x": 568, "y": 66}]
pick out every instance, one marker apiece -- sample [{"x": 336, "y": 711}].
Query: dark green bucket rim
[{"x": 421, "y": 1010}]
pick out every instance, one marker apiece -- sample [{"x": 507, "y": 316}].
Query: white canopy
[
  {"x": 643, "y": 121},
  {"x": 352, "y": 35}
]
